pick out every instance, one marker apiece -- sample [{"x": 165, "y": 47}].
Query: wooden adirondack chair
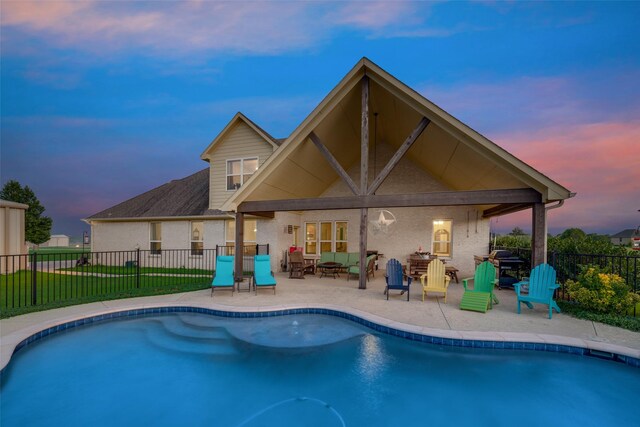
[
  {"x": 395, "y": 278},
  {"x": 435, "y": 280},
  {"x": 542, "y": 284},
  {"x": 481, "y": 297}
]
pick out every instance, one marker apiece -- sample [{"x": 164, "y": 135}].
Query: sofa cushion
[
  {"x": 327, "y": 257},
  {"x": 342, "y": 258},
  {"x": 354, "y": 258}
]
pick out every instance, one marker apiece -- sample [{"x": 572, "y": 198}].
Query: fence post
[
  {"x": 34, "y": 280},
  {"x": 138, "y": 268}
]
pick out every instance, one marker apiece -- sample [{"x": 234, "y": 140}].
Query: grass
[
  {"x": 621, "y": 321},
  {"x": 120, "y": 270},
  {"x": 57, "y": 290},
  {"x": 131, "y": 293},
  {"x": 59, "y": 253}
]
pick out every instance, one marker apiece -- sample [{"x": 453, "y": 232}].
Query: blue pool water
[{"x": 299, "y": 370}]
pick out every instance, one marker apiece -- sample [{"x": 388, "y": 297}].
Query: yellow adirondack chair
[{"x": 435, "y": 280}]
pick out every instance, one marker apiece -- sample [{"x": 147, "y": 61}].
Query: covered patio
[{"x": 374, "y": 143}]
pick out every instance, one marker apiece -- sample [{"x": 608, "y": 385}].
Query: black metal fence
[
  {"x": 568, "y": 266},
  {"x": 56, "y": 278}
]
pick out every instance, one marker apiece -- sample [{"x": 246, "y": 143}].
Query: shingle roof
[
  {"x": 181, "y": 197},
  {"x": 628, "y": 233}
]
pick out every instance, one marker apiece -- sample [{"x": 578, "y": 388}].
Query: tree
[
  {"x": 517, "y": 231},
  {"x": 37, "y": 227},
  {"x": 573, "y": 233}
]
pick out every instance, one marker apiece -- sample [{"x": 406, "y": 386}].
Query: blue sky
[{"x": 101, "y": 101}]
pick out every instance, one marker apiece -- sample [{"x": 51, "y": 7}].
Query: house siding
[{"x": 240, "y": 142}]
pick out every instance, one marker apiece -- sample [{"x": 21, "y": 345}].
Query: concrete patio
[{"x": 432, "y": 317}]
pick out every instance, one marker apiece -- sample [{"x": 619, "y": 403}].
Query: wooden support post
[
  {"x": 538, "y": 236},
  {"x": 364, "y": 138},
  {"x": 364, "y": 180},
  {"x": 364, "y": 221},
  {"x": 239, "y": 246}
]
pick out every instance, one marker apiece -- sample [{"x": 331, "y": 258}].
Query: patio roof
[{"x": 460, "y": 158}]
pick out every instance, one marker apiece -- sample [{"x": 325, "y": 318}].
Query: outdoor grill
[
  {"x": 508, "y": 267},
  {"x": 507, "y": 264}
]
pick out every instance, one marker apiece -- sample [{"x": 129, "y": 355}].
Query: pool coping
[{"x": 472, "y": 339}]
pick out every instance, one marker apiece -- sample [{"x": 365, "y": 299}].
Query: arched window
[{"x": 442, "y": 237}]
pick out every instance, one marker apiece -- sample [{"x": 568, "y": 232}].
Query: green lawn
[
  {"x": 59, "y": 253},
  {"x": 55, "y": 290},
  {"x": 119, "y": 270}
]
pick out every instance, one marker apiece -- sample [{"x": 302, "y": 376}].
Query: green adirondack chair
[
  {"x": 481, "y": 297},
  {"x": 542, "y": 284}
]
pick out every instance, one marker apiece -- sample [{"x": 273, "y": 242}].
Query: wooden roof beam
[
  {"x": 333, "y": 162},
  {"x": 517, "y": 196},
  {"x": 504, "y": 209},
  {"x": 395, "y": 159}
]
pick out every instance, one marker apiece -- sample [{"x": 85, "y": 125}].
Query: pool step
[
  {"x": 161, "y": 338},
  {"x": 198, "y": 321},
  {"x": 175, "y": 326}
]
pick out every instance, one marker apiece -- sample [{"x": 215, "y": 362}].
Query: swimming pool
[{"x": 311, "y": 370}]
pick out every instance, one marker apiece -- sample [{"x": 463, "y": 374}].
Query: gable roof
[
  {"x": 628, "y": 233},
  {"x": 184, "y": 197},
  {"x": 239, "y": 117},
  {"x": 488, "y": 160}
]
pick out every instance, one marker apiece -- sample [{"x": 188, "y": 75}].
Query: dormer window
[{"x": 239, "y": 171}]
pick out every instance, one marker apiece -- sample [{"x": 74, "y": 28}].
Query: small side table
[
  {"x": 452, "y": 272},
  {"x": 241, "y": 282}
]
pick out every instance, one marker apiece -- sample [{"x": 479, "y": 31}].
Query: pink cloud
[
  {"x": 179, "y": 28},
  {"x": 598, "y": 161},
  {"x": 373, "y": 15}
]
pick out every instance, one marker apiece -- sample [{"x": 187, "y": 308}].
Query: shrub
[{"x": 601, "y": 292}]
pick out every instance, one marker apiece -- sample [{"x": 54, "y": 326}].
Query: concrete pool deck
[{"x": 431, "y": 317}]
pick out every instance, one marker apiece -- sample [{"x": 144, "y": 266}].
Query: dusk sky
[{"x": 101, "y": 101}]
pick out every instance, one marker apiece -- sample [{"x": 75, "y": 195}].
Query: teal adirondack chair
[
  {"x": 224, "y": 274},
  {"x": 542, "y": 284},
  {"x": 481, "y": 297},
  {"x": 262, "y": 274}
]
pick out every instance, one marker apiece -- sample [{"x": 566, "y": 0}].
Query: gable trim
[{"x": 239, "y": 117}]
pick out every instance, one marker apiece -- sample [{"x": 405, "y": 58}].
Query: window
[
  {"x": 310, "y": 238},
  {"x": 250, "y": 234},
  {"x": 239, "y": 171},
  {"x": 341, "y": 236},
  {"x": 155, "y": 238},
  {"x": 325, "y": 237},
  {"x": 442, "y": 237},
  {"x": 197, "y": 237},
  {"x": 331, "y": 238}
]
